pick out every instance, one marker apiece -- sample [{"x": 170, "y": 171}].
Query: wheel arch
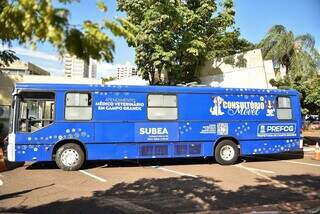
[
  {"x": 63, "y": 142},
  {"x": 235, "y": 140}
]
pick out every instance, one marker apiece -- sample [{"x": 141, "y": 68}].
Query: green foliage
[
  {"x": 297, "y": 54},
  {"x": 32, "y": 21},
  {"x": 102, "y": 6},
  {"x": 309, "y": 91},
  {"x": 302, "y": 63},
  {"x": 7, "y": 57},
  {"x": 107, "y": 79},
  {"x": 241, "y": 61},
  {"x": 312, "y": 96},
  {"x": 177, "y": 36}
]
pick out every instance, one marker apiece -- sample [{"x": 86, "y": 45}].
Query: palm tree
[{"x": 297, "y": 54}]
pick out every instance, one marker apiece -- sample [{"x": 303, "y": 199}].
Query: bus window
[
  {"x": 162, "y": 107},
  {"x": 36, "y": 110},
  {"x": 284, "y": 109},
  {"x": 78, "y": 106}
]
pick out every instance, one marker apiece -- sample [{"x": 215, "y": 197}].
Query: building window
[
  {"x": 162, "y": 107},
  {"x": 78, "y": 106},
  {"x": 284, "y": 108}
]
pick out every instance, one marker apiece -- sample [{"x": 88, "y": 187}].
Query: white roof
[{"x": 133, "y": 80}]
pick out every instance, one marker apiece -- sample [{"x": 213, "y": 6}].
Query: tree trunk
[{"x": 151, "y": 74}]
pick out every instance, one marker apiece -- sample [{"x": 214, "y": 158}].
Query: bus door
[{"x": 36, "y": 111}]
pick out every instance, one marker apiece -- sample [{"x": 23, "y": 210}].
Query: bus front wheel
[
  {"x": 226, "y": 152},
  {"x": 69, "y": 157}
]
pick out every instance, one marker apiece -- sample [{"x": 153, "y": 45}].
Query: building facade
[
  {"x": 92, "y": 69},
  {"x": 23, "y": 68},
  {"x": 256, "y": 73},
  {"x": 75, "y": 67},
  {"x": 126, "y": 71}
]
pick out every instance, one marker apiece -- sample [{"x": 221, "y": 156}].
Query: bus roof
[{"x": 149, "y": 89}]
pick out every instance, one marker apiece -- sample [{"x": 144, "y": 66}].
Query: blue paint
[
  {"x": 156, "y": 132},
  {"x": 269, "y": 146},
  {"x": 120, "y": 128},
  {"x": 276, "y": 130}
]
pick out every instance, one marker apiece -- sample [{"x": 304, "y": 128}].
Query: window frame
[
  {"x": 176, "y": 107},
  {"x": 78, "y": 92},
  {"x": 18, "y": 109},
  {"x": 277, "y": 102}
]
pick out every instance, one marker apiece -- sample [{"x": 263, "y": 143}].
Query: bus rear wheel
[
  {"x": 226, "y": 152},
  {"x": 69, "y": 157}
]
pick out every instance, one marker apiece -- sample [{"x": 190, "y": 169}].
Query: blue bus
[{"x": 70, "y": 123}]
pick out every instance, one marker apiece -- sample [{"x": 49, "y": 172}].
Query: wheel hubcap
[
  {"x": 70, "y": 157},
  {"x": 227, "y": 153}
]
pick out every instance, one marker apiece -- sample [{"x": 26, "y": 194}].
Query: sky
[{"x": 254, "y": 18}]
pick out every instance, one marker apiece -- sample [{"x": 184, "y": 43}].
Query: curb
[{"x": 309, "y": 149}]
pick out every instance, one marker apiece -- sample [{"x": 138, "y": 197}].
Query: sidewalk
[
  {"x": 311, "y": 137},
  {"x": 309, "y": 149}
]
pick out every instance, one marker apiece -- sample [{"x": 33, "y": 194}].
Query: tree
[
  {"x": 107, "y": 79},
  {"x": 301, "y": 60},
  {"x": 7, "y": 57},
  {"x": 177, "y": 36},
  {"x": 297, "y": 54},
  {"x": 309, "y": 91},
  {"x": 32, "y": 21}
]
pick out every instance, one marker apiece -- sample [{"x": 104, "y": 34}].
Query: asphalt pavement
[{"x": 279, "y": 183}]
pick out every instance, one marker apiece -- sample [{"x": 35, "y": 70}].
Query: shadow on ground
[
  {"x": 185, "y": 194},
  {"x": 18, "y": 194},
  {"x": 13, "y": 165},
  {"x": 168, "y": 161},
  {"x": 274, "y": 157},
  {"x": 126, "y": 163}
]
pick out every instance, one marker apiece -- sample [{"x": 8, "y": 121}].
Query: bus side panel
[
  {"x": 124, "y": 132},
  {"x": 239, "y": 106},
  {"x": 148, "y": 150},
  {"x": 205, "y": 131},
  {"x": 268, "y": 146},
  {"x": 113, "y": 132},
  {"x": 251, "y": 119},
  {"x": 119, "y": 106},
  {"x": 297, "y": 114},
  {"x": 34, "y": 152},
  {"x": 37, "y": 146},
  {"x": 111, "y": 151}
]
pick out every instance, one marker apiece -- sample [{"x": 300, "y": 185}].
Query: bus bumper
[
  {"x": 301, "y": 143},
  {"x": 11, "y": 148}
]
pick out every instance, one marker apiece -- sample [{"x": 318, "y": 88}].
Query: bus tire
[
  {"x": 69, "y": 157},
  {"x": 226, "y": 152}
]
